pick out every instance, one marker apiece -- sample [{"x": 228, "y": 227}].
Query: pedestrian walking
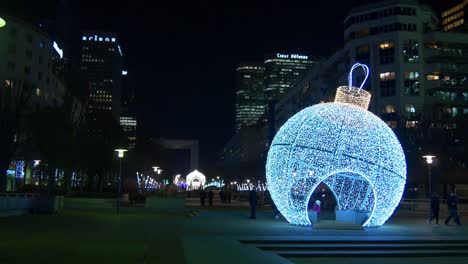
[
  {"x": 316, "y": 207},
  {"x": 276, "y": 212},
  {"x": 228, "y": 195},
  {"x": 253, "y": 202},
  {"x": 202, "y": 197},
  {"x": 452, "y": 203},
  {"x": 435, "y": 206},
  {"x": 210, "y": 198},
  {"x": 222, "y": 196}
]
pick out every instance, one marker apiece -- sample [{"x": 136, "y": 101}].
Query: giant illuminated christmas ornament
[{"x": 344, "y": 146}]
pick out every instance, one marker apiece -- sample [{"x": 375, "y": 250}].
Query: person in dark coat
[
  {"x": 435, "y": 206},
  {"x": 452, "y": 202},
  {"x": 210, "y": 198},
  {"x": 253, "y": 202},
  {"x": 276, "y": 212},
  {"x": 202, "y": 197},
  {"x": 222, "y": 196},
  {"x": 228, "y": 195}
]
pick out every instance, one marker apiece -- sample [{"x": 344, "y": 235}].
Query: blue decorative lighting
[
  {"x": 344, "y": 146},
  {"x": 19, "y": 172}
]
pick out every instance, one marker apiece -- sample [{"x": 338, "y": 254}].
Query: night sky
[{"x": 182, "y": 55}]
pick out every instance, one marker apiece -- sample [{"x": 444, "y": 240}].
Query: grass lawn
[{"x": 135, "y": 236}]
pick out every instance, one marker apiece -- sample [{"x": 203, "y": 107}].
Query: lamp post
[
  {"x": 429, "y": 160},
  {"x": 2, "y": 22},
  {"x": 120, "y": 154},
  {"x": 158, "y": 171}
]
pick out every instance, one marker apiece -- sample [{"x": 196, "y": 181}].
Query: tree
[{"x": 14, "y": 103}]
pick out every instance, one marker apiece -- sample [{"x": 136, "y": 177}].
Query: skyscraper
[
  {"x": 101, "y": 75},
  {"x": 282, "y": 71},
  {"x": 128, "y": 121},
  {"x": 250, "y": 94}
]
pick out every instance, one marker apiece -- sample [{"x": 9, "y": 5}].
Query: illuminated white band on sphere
[{"x": 353, "y": 95}]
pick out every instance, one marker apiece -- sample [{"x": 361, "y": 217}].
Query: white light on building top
[
  {"x": 291, "y": 56},
  {"x": 58, "y": 50},
  {"x": 98, "y": 38}
]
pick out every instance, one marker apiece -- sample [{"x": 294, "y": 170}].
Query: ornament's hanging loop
[{"x": 350, "y": 77}]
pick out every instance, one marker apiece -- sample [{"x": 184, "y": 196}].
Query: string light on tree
[{"x": 344, "y": 146}]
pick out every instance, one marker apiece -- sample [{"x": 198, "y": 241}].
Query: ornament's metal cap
[{"x": 353, "y": 95}]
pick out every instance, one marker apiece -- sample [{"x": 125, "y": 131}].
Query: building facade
[
  {"x": 388, "y": 36},
  {"x": 282, "y": 71},
  {"x": 31, "y": 78},
  {"x": 446, "y": 78},
  {"x": 417, "y": 80},
  {"x": 317, "y": 86},
  {"x": 101, "y": 75},
  {"x": 250, "y": 95},
  {"x": 31, "y": 63},
  {"x": 128, "y": 122},
  {"x": 455, "y": 17}
]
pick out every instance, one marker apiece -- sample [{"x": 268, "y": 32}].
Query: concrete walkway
[
  {"x": 223, "y": 234},
  {"x": 214, "y": 235}
]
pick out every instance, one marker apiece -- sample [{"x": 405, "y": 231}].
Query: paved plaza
[{"x": 219, "y": 235}]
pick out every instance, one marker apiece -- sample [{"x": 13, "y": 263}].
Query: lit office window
[
  {"x": 388, "y": 109},
  {"x": 432, "y": 77},
  {"x": 385, "y": 76},
  {"x": 387, "y": 84},
  {"x": 362, "y": 53},
  {"x": 411, "y": 124},
  {"x": 410, "y": 51},
  {"x": 387, "y": 52},
  {"x": 411, "y": 83}
]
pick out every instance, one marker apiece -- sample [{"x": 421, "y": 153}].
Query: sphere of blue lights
[{"x": 344, "y": 146}]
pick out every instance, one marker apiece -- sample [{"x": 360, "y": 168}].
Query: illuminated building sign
[
  {"x": 58, "y": 50},
  {"x": 98, "y": 38},
  {"x": 291, "y": 56},
  {"x": 120, "y": 50}
]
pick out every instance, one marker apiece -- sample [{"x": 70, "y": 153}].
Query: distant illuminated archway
[{"x": 195, "y": 180}]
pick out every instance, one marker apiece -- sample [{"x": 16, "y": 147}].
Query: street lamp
[
  {"x": 157, "y": 169},
  {"x": 2, "y": 22},
  {"x": 429, "y": 161},
  {"x": 120, "y": 154}
]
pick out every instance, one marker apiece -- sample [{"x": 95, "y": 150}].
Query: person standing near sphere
[
  {"x": 210, "y": 198},
  {"x": 435, "y": 206},
  {"x": 253, "y": 202},
  {"x": 316, "y": 207},
  {"x": 202, "y": 197},
  {"x": 452, "y": 203}
]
